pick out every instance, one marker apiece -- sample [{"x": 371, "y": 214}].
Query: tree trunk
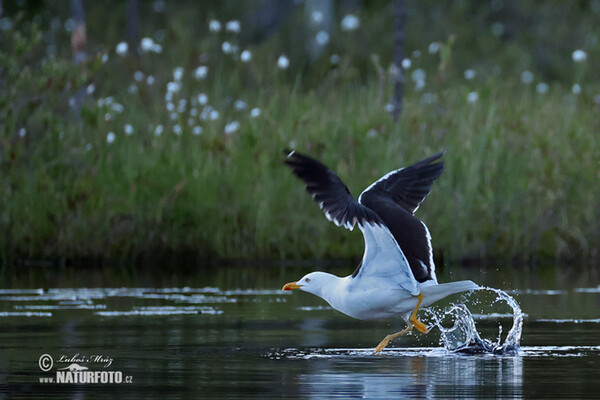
[
  {"x": 133, "y": 24},
  {"x": 398, "y": 75},
  {"x": 78, "y": 42}
]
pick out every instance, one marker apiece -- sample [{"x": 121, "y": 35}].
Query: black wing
[
  {"x": 395, "y": 197},
  {"x": 409, "y": 186},
  {"x": 330, "y": 193}
]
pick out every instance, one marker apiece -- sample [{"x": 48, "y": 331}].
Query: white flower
[
  {"x": 173, "y": 116},
  {"x": 22, "y": 132},
  {"x": 104, "y": 58},
  {"x": 181, "y": 105},
  {"x": 372, "y": 133},
  {"x": 233, "y": 26},
  {"x": 90, "y": 89},
  {"x": 576, "y": 88},
  {"x": 138, "y": 76},
  {"x": 469, "y": 74},
  {"x": 255, "y": 112},
  {"x": 147, "y": 44},
  {"x": 150, "y": 80},
  {"x": 170, "y": 107},
  {"x": 194, "y": 112},
  {"x": 201, "y": 72},
  {"x": 202, "y": 99},
  {"x": 317, "y": 17},
  {"x": 177, "y": 74},
  {"x": 227, "y": 48},
  {"x": 334, "y": 59},
  {"x": 213, "y": 115},
  {"x": 132, "y": 89},
  {"x": 350, "y": 22},
  {"x": 246, "y": 56},
  {"x": 214, "y": 26},
  {"x": 240, "y": 105},
  {"x": 110, "y": 137},
  {"x": 579, "y": 56},
  {"x": 128, "y": 129},
  {"x": 177, "y": 129},
  {"x": 231, "y": 127},
  {"x": 173, "y": 87},
  {"x": 472, "y": 97},
  {"x": 108, "y": 117},
  {"x": 322, "y": 38},
  {"x": 122, "y": 48},
  {"x": 283, "y": 62},
  {"x": 434, "y": 47},
  {"x": 158, "y": 130},
  {"x": 118, "y": 108},
  {"x": 197, "y": 130},
  {"x": 542, "y": 88},
  {"x": 389, "y": 107},
  {"x": 191, "y": 121},
  {"x": 527, "y": 77},
  {"x": 406, "y": 63}
]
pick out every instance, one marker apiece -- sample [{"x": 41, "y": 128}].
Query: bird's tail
[{"x": 433, "y": 293}]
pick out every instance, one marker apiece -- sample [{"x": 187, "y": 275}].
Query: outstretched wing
[
  {"x": 330, "y": 193},
  {"x": 409, "y": 186}
]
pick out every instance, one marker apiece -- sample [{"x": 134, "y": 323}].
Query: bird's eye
[{"x": 307, "y": 280}]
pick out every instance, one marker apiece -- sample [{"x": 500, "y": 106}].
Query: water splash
[{"x": 463, "y": 336}]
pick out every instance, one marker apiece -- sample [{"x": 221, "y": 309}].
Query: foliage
[{"x": 150, "y": 166}]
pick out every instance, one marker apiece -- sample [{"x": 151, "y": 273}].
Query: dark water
[{"x": 231, "y": 333}]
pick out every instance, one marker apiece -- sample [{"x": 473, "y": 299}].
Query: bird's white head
[{"x": 315, "y": 283}]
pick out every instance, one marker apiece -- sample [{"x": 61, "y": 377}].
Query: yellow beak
[{"x": 290, "y": 286}]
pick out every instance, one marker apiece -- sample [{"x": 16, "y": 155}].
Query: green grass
[{"x": 521, "y": 178}]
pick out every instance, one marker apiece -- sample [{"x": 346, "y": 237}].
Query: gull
[{"x": 397, "y": 274}]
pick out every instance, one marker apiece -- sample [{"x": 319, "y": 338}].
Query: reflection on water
[{"x": 205, "y": 339}]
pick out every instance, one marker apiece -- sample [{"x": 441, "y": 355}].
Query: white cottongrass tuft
[
  {"x": 334, "y": 59},
  {"x": 173, "y": 87},
  {"x": 170, "y": 107},
  {"x": 122, "y": 48},
  {"x": 240, "y": 105},
  {"x": 138, "y": 76},
  {"x": 542, "y": 88},
  {"x": 201, "y": 72},
  {"x": 158, "y": 130},
  {"x": 177, "y": 129},
  {"x": 434, "y": 47},
  {"x": 202, "y": 99},
  {"x": 90, "y": 89},
  {"x": 214, "y": 25},
  {"x": 110, "y": 137},
  {"x": 181, "y": 105},
  {"x": 316, "y": 17},
  {"x": 231, "y": 127},
  {"x": 150, "y": 80},
  {"x": 322, "y": 38},
  {"x": 255, "y": 112},
  {"x": 149, "y": 46},
  {"x": 350, "y": 22},
  {"x": 527, "y": 77},
  {"x": 177, "y": 74},
  {"x": 283, "y": 62},
  {"x": 576, "y": 89},
  {"x": 233, "y": 26},
  {"x": 132, "y": 89},
  {"x": 118, "y": 108},
  {"x": 246, "y": 56},
  {"x": 579, "y": 56},
  {"x": 22, "y": 132},
  {"x": 197, "y": 130},
  {"x": 227, "y": 48},
  {"x": 469, "y": 74},
  {"x": 472, "y": 97},
  {"x": 406, "y": 63},
  {"x": 213, "y": 115},
  {"x": 128, "y": 129}
]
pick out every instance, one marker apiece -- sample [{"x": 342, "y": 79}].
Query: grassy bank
[{"x": 132, "y": 174}]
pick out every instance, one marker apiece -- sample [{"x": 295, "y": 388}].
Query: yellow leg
[
  {"x": 421, "y": 327},
  {"x": 391, "y": 337}
]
